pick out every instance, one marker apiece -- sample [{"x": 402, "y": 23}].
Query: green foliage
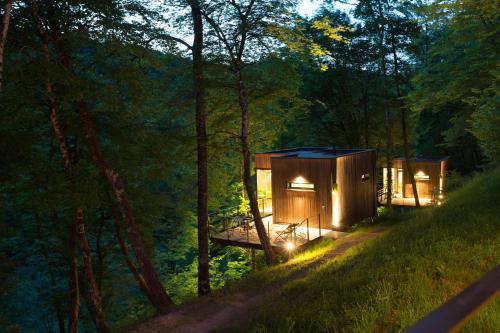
[
  {"x": 485, "y": 120},
  {"x": 139, "y": 89},
  {"x": 459, "y": 70}
]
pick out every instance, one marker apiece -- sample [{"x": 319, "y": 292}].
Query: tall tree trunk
[
  {"x": 365, "y": 116},
  {"x": 58, "y": 308},
  {"x": 406, "y": 148},
  {"x": 160, "y": 299},
  {"x": 3, "y": 35},
  {"x": 74, "y": 293},
  {"x": 100, "y": 255},
  {"x": 387, "y": 115},
  {"x": 123, "y": 247},
  {"x": 74, "y": 282},
  {"x": 93, "y": 290},
  {"x": 247, "y": 179},
  {"x": 78, "y": 229},
  {"x": 201, "y": 142}
]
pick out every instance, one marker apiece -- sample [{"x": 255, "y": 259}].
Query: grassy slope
[{"x": 391, "y": 282}]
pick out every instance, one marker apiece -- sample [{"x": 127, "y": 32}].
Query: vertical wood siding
[
  {"x": 263, "y": 160},
  {"x": 291, "y": 206},
  {"x": 425, "y": 187},
  {"x": 357, "y": 199}
]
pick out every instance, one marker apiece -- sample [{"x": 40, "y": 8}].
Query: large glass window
[
  {"x": 384, "y": 179},
  {"x": 399, "y": 192},
  {"x": 264, "y": 190}
]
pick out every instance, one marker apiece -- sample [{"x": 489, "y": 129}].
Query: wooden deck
[
  {"x": 248, "y": 238},
  {"x": 408, "y": 202}
]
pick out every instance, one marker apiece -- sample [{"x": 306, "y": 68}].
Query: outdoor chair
[{"x": 285, "y": 233}]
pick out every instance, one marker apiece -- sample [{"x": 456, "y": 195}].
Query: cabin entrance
[
  {"x": 423, "y": 189},
  {"x": 302, "y": 205},
  {"x": 423, "y": 186}
]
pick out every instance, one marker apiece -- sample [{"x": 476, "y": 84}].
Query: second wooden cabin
[{"x": 429, "y": 176}]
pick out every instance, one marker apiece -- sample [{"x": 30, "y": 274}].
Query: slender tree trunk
[
  {"x": 201, "y": 142},
  {"x": 3, "y": 35},
  {"x": 236, "y": 56},
  {"x": 93, "y": 290},
  {"x": 74, "y": 293},
  {"x": 53, "y": 286},
  {"x": 247, "y": 179},
  {"x": 160, "y": 299},
  {"x": 123, "y": 247},
  {"x": 365, "y": 114},
  {"x": 387, "y": 115},
  {"x": 74, "y": 283},
  {"x": 100, "y": 255},
  {"x": 406, "y": 148}
]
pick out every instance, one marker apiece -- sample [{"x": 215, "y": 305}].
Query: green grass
[
  {"x": 389, "y": 283},
  {"x": 274, "y": 274}
]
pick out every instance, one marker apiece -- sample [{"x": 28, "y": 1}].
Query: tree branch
[
  {"x": 219, "y": 32},
  {"x": 178, "y": 40}
]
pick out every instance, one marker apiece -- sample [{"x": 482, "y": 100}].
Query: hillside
[
  {"x": 389, "y": 283},
  {"x": 378, "y": 279}
]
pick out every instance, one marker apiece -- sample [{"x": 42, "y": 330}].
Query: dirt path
[{"x": 218, "y": 313}]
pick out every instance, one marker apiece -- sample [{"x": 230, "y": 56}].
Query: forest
[{"x": 126, "y": 126}]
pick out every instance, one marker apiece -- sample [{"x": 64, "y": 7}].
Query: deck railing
[
  {"x": 457, "y": 311},
  {"x": 223, "y": 219},
  {"x": 295, "y": 236},
  {"x": 230, "y": 225},
  {"x": 381, "y": 195}
]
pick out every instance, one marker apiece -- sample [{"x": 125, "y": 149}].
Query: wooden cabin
[
  {"x": 334, "y": 188},
  {"x": 429, "y": 177},
  {"x": 305, "y": 194}
]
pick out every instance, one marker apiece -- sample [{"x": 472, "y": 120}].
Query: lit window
[
  {"x": 301, "y": 186},
  {"x": 421, "y": 176},
  {"x": 365, "y": 177}
]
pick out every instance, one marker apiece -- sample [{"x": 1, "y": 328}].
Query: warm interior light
[
  {"x": 300, "y": 180},
  {"x": 336, "y": 206},
  {"x": 289, "y": 246},
  {"x": 301, "y": 184},
  {"x": 421, "y": 176}
]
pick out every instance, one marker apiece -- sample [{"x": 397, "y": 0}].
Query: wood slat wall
[
  {"x": 263, "y": 160},
  {"x": 291, "y": 206},
  {"x": 430, "y": 168},
  {"x": 358, "y": 199}
]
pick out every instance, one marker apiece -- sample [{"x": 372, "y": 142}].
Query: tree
[
  {"x": 79, "y": 227},
  {"x": 456, "y": 78},
  {"x": 3, "y": 35},
  {"x": 196, "y": 50},
  {"x": 402, "y": 33},
  {"x": 156, "y": 293},
  {"x": 392, "y": 24},
  {"x": 249, "y": 28},
  {"x": 201, "y": 142},
  {"x": 345, "y": 104}
]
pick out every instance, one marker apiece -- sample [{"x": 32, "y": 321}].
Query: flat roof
[
  {"x": 424, "y": 159},
  {"x": 314, "y": 152}
]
